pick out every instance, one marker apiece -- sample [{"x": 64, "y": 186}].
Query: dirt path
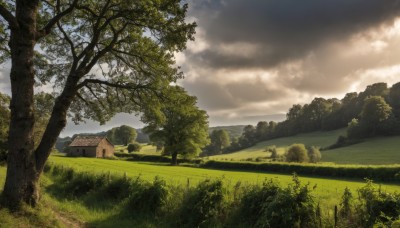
[{"x": 67, "y": 221}]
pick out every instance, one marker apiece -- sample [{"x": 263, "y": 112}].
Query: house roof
[{"x": 88, "y": 140}]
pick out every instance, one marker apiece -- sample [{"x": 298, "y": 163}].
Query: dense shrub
[
  {"x": 297, "y": 153},
  {"x": 146, "y": 198},
  {"x": 134, "y": 147},
  {"x": 314, "y": 154},
  {"x": 374, "y": 208},
  {"x": 202, "y": 205},
  {"x": 273, "y": 206}
]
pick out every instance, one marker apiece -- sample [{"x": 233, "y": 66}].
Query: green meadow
[
  {"x": 328, "y": 191},
  {"x": 373, "y": 151}
]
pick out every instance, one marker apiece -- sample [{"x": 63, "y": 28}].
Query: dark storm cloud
[
  {"x": 213, "y": 96},
  {"x": 282, "y": 30}
]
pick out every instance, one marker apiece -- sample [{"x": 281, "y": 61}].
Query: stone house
[{"x": 91, "y": 146}]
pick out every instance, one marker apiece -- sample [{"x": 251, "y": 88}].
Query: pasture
[
  {"x": 383, "y": 150},
  {"x": 320, "y": 139},
  {"x": 327, "y": 191},
  {"x": 373, "y": 151}
]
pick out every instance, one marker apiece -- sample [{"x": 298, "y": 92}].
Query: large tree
[
  {"x": 185, "y": 128},
  {"x": 101, "y": 57}
]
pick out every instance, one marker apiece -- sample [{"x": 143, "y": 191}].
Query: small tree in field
[
  {"x": 314, "y": 154},
  {"x": 297, "y": 153},
  {"x": 185, "y": 128},
  {"x": 134, "y": 147}
]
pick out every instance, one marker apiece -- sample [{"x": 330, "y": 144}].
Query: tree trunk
[
  {"x": 22, "y": 177},
  {"x": 174, "y": 160}
]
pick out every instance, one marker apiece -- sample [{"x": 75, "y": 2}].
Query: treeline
[{"x": 373, "y": 112}]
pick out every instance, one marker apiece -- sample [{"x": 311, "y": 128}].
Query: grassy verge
[
  {"x": 42, "y": 216},
  {"x": 328, "y": 191}
]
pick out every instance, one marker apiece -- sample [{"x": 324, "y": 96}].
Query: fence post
[{"x": 336, "y": 216}]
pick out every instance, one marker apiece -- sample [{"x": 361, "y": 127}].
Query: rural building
[{"x": 91, "y": 146}]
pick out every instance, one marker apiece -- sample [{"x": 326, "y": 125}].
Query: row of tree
[{"x": 375, "y": 111}]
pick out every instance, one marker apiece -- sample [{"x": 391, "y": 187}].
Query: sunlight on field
[
  {"x": 328, "y": 190},
  {"x": 146, "y": 149}
]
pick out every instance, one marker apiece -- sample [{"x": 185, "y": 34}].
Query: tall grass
[{"x": 210, "y": 203}]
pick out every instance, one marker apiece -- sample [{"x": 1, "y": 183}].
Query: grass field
[
  {"x": 328, "y": 191},
  {"x": 321, "y": 139},
  {"x": 146, "y": 149},
  {"x": 375, "y": 151}
]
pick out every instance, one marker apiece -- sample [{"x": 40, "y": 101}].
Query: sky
[{"x": 253, "y": 59}]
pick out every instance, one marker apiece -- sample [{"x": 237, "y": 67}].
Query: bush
[
  {"x": 273, "y": 206},
  {"x": 146, "y": 198},
  {"x": 134, "y": 147},
  {"x": 374, "y": 208},
  {"x": 202, "y": 205},
  {"x": 314, "y": 154},
  {"x": 297, "y": 153}
]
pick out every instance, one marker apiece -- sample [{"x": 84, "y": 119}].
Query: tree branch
[
  {"x": 47, "y": 28},
  {"x": 66, "y": 37},
  {"x": 7, "y": 15},
  {"x": 110, "y": 84}
]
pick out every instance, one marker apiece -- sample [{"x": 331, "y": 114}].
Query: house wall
[
  {"x": 78, "y": 151},
  {"x": 105, "y": 146}
]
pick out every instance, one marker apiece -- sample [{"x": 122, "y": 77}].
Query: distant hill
[
  {"x": 373, "y": 151},
  {"x": 234, "y": 131}
]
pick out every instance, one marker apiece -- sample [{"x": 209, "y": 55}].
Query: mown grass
[{"x": 328, "y": 191}]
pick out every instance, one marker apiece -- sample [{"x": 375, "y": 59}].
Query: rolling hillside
[
  {"x": 321, "y": 139},
  {"x": 383, "y": 150}
]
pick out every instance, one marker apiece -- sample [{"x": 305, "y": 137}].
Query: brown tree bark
[
  {"x": 174, "y": 160},
  {"x": 21, "y": 181}
]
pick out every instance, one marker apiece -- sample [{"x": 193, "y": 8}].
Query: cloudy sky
[{"x": 253, "y": 58}]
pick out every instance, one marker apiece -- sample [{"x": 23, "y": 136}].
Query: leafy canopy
[{"x": 185, "y": 129}]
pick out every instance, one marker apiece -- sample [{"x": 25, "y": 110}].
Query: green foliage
[
  {"x": 147, "y": 198},
  {"x": 203, "y": 205},
  {"x": 374, "y": 114},
  {"x": 273, "y": 206},
  {"x": 374, "y": 208},
  {"x": 185, "y": 129},
  {"x": 297, "y": 153},
  {"x": 346, "y": 205},
  {"x": 134, "y": 147},
  {"x": 122, "y": 135},
  {"x": 314, "y": 154},
  {"x": 44, "y": 103},
  {"x": 220, "y": 140}
]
